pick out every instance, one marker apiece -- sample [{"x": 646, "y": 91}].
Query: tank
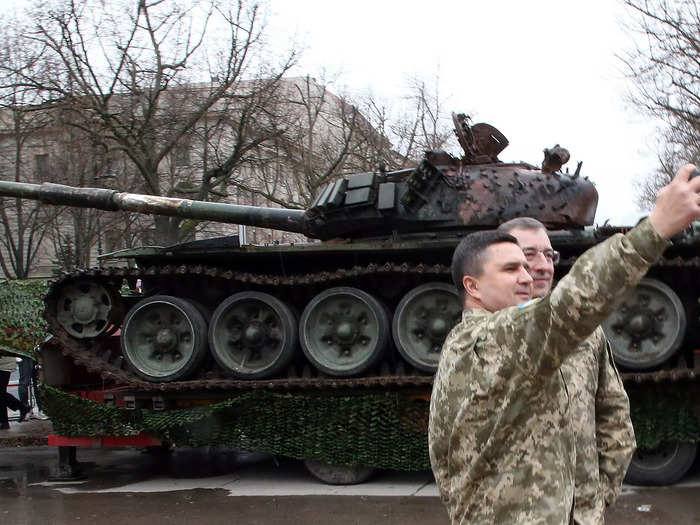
[
  {"x": 369, "y": 301},
  {"x": 354, "y": 318}
]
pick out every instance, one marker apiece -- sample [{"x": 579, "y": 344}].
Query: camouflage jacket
[
  {"x": 500, "y": 435},
  {"x": 600, "y": 416}
]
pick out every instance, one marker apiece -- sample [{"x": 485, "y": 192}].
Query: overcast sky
[{"x": 543, "y": 72}]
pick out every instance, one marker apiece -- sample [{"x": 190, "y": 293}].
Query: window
[
  {"x": 41, "y": 165},
  {"x": 182, "y": 155}
]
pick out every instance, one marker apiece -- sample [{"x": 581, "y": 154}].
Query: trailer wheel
[
  {"x": 338, "y": 474},
  {"x": 663, "y": 465}
]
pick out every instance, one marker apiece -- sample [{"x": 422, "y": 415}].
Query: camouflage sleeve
[
  {"x": 438, "y": 434},
  {"x": 437, "y": 447},
  {"x": 614, "y": 432},
  {"x": 553, "y": 327},
  {"x": 438, "y": 464}
]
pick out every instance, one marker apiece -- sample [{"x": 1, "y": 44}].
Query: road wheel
[
  {"x": 422, "y": 320},
  {"x": 649, "y": 326},
  {"x": 663, "y": 465},
  {"x": 164, "y": 338},
  {"x": 253, "y": 335},
  {"x": 344, "y": 331}
]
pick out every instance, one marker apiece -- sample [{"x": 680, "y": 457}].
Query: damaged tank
[
  {"x": 364, "y": 306},
  {"x": 372, "y": 299}
]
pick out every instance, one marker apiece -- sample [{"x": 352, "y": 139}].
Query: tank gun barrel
[{"x": 112, "y": 200}]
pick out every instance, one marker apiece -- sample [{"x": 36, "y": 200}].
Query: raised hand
[{"x": 678, "y": 203}]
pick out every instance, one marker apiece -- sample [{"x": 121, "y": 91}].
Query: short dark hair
[
  {"x": 523, "y": 223},
  {"x": 468, "y": 257}
]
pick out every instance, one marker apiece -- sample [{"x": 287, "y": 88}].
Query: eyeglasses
[{"x": 550, "y": 255}]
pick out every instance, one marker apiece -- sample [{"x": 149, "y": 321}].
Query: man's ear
[{"x": 471, "y": 286}]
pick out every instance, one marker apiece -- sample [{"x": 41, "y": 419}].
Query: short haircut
[
  {"x": 468, "y": 258},
  {"x": 523, "y": 223}
]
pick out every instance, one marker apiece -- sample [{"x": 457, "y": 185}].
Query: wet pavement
[
  {"x": 218, "y": 486},
  {"x": 31, "y": 432}
]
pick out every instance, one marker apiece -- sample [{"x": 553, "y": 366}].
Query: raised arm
[{"x": 601, "y": 278}]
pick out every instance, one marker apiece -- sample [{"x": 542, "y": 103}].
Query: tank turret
[{"x": 442, "y": 194}]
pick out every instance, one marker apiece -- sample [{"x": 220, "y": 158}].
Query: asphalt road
[{"x": 213, "y": 486}]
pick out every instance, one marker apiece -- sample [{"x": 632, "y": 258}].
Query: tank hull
[{"x": 388, "y": 270}]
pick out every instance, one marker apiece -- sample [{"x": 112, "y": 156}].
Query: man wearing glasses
[{"x": 599, "y": 406}]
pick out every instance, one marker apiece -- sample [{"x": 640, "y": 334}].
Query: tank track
[
  {"x": 96, "y": 359},
  {"x": 92, "y": 355}
]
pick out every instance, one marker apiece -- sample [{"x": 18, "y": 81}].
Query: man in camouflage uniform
[
  {"x": 501, "y": 445},
  {"x": 599, "y": 412}
]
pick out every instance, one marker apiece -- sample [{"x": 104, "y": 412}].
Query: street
[{"x": 218, "y": 486}]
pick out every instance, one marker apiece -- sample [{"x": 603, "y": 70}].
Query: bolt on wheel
[
  {"x": 164, "y": 338},
  {"x": 648, "y": 327},
  {"x": 422, "y": 320},
  {"x": 253, "y": 335},
  {"x": 85, "y": 308},
  {"x": 344, "y": 331}
]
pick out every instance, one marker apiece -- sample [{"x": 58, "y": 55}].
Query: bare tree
[
  {"x": 78, "y": 160},
  {"x": 23, "y": 223},
  {"x": 323, "y": 137},
  {"x": 426, "y": 125},
  {"x": 670, "y": 157},
  {"x": 21, "y": 126},
  {"x": 664, "y": 69},
  {"x": 420, "y": 123},
  {"x": 37, "y": 146},
  {"x": 181, "y": 97},
  {"x": 329, "y": 135},
  {"x": 147, "y": 74}
]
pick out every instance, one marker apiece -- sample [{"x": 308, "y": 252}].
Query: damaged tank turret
[{"x": 443, "y": 194}]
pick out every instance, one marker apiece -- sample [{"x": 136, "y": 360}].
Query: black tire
[
  {"x": 338, "y": 474},
  {"x": 143, "y": 365},
  {"x": 285, "y": 322},
  {"x": 663, "y": 465}
]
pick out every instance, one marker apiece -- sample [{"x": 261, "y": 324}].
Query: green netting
[
  {"x": 21, "y": 325},
  {"x": 378, "y": 430},
  {"x": 667, "y": 414}
]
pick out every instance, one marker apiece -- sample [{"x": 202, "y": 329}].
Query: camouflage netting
[
  {"x": 21, "y": 325},
  {"x": 668, "y": 414},
  {"x": 378, "y": 430}
]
